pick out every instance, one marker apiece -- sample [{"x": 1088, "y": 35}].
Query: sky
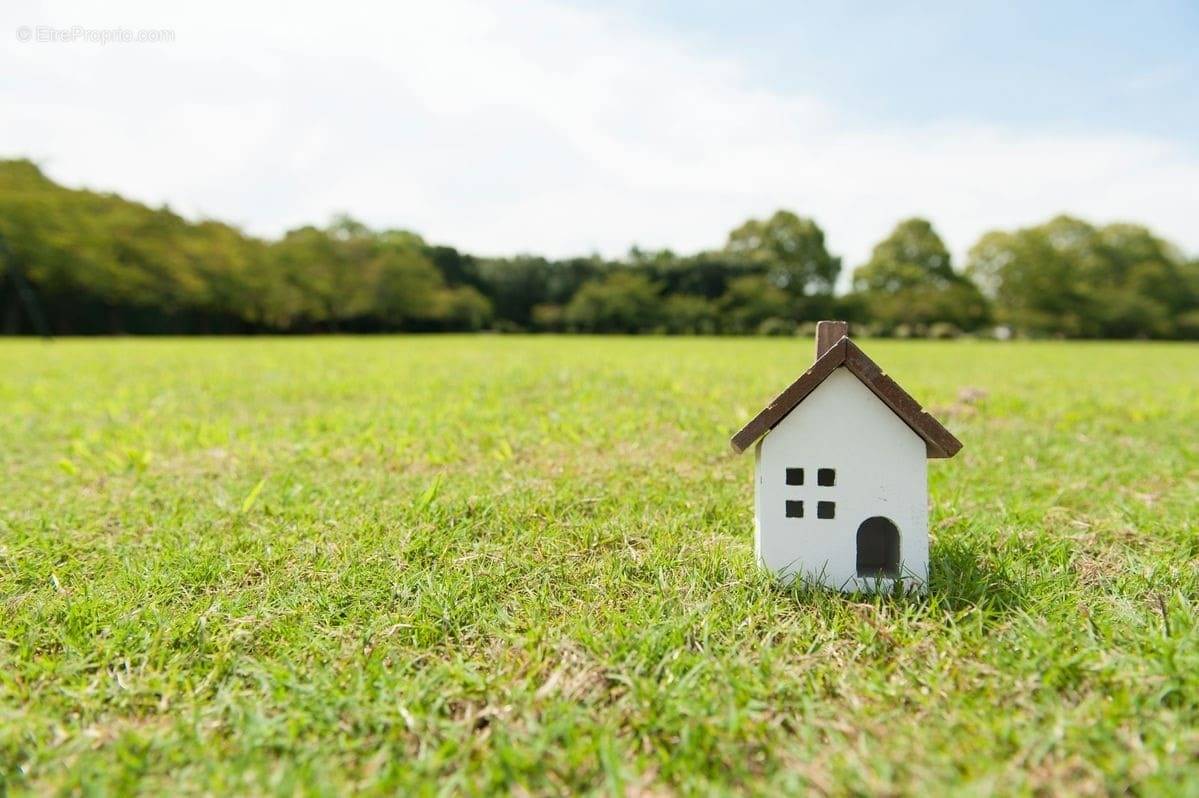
[{"x": 574, "y": 127}]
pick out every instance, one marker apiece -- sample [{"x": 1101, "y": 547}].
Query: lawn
[{"x": 476, "y": 564}]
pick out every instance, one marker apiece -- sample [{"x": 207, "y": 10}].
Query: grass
[{"x": 477, "y": 564}]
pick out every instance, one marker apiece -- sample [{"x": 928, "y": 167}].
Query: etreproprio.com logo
[{"x": 80, "y": 34}]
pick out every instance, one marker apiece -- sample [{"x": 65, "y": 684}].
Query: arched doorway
[{"x": 878, "y": 548}]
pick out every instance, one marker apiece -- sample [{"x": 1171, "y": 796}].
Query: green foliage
[
  {"x": 910, "y": 281},
  {"x": 690, "y": 314},
  {"x": 620, "y": 302},
  {"x": 78, "y": 244},
  {"x": 1069, "y": 278},
  {"x": 524, "y": 566},
  {"x": 751, "y": 301},
  {"x": 516, "y": 286},
  {"x": 101, "y": 264},
  {"x": 792, "y": 248}
]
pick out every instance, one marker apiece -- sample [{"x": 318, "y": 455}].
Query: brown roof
[{"x": 938, "y": 440}]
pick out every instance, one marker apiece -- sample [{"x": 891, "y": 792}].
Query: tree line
[{"x": 82, "y": 262}]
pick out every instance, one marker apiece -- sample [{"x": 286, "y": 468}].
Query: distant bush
[
  {"x": 944, "y": 330},
  {"x": 776, "y": 327}
]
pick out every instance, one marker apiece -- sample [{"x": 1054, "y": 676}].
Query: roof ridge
[{"x": 939, "y": 442}]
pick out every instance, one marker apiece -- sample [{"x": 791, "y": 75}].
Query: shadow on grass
[{"x": 960, "y": 579}]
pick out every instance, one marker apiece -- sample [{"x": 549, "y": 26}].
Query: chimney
[{"x": 829, "y": 333}]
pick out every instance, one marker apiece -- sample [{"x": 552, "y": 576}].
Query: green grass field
[{"x": 475, "y": 564}]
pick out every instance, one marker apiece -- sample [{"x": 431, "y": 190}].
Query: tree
[
  {"x": 912, "y": 256},
  {"x": 620, "y": 302},
  {"x": 1188, "y": 317},
  {"x": 464, "y": 308},
  {"x": 910, "y": 280},
  {"x": 753, "y": 301},
  {"x": 516, "y": 285},
  {"x": 1140, "y": 283},
  {"x": 1069, "y": 278},
  {"x": 409, "y": 288},
  {"x": 689, "y": 314},
  {"x": 318, "y": 267},
  {"x": 792, "y": 250}
]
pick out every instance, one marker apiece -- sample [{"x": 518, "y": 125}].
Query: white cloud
[{"x": 522, "y": 127}]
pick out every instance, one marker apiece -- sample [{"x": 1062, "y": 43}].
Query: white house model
[{"x": 841, "y": 483}]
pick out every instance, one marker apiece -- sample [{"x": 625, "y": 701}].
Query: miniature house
[{"x": 841, "y": 485}]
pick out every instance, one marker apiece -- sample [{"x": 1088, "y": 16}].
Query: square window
[
  {"x": 826, "y": 477},
  {"x": 826, "y": 509},
  {"x": 794, "y": 509},
  {"x": 794, "y": 476}
]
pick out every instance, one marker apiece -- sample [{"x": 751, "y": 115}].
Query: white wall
[{"x": 881, "y": 470}]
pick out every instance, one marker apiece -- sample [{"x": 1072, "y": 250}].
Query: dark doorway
[{"x": 878, "y": 548}]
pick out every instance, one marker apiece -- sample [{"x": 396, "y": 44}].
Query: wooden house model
[{"x": 841, "y": 482}]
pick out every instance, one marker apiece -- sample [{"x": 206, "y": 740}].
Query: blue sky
[
  {"x": 570, "y": 126},
  {"x": 1066, "y": 66}
]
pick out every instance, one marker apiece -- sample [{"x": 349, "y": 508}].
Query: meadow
[{"x": 462, "y": 565}]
